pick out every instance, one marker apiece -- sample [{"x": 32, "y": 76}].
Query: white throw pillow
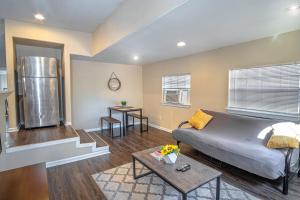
[
  {"x": 285, "y": 129},
  {"x": 297, "y": 130}
]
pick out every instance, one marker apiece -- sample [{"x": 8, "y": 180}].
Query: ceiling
[
  {"x": 80, "y": 15},
  {"x": 204, "y": 25}
]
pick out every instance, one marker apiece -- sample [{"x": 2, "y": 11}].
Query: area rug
[{"x": 118, "y": 184}]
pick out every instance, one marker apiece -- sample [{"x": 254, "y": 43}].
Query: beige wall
[
  {"x": 74, "y": 43},
  {"x": 209, "y": 72},
  {"x": 2, "y": 51},
  {"x": 91, "y": 96}
]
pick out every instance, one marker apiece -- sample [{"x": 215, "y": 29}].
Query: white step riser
[
  {"x": 46, "y": 152},
  {"x": 76, "y": 158}
]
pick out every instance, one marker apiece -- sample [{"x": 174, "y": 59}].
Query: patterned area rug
[{"x": 118, "y": 184}]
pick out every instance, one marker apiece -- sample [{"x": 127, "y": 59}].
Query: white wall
[
  {"x": 91, "y": 96},
  {"x": 2, "y": 50},
  {"x": 24, "y": 50},
  {"x": 75, "y": 42}
]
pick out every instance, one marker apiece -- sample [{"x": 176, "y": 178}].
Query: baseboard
[
  {"x": 92, "y": 130},
  {"x": 105, "y": 127},
  {"x": 11, "y": 130},
  {"x": 76, "y": 158},
  {"x": 150, "y": 124},
  {"x": 68, "y": 123},
  {"x": 160, "y": 128}
]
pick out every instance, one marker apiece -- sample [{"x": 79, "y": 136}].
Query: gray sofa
[{"x": 234, "y": 140}]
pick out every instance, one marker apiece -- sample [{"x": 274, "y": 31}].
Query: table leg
[
  {"x": 184, "y": 196},
  {"x": 124, "y": 125},
  {"x": 133, "y": 168},
  {"x": 126, "y": 120},
  {"x": 141, "y": 121},
  {"x": 109, "y": 117},
  {"x": 218, "y": 188},
  {"x": 120, "y": 134}
]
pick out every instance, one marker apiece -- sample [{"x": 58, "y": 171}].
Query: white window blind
[
  {"x": 271, "y": 91},
  {"x": 176, "y": 89}
]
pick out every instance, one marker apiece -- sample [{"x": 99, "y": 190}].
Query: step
[
  {"x": 84, "y": 137},
  {"x": 99, "y": 141}
]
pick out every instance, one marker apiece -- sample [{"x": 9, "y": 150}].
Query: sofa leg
[{"x": 285, "y": 187}]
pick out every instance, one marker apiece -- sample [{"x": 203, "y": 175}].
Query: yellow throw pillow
[
  {"x": 280, "y": 141},
  {"x": 200, "y": 119}
]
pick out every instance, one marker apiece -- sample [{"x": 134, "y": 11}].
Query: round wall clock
[{"x": 114, "y": 83}]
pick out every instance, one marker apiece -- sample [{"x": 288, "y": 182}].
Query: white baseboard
[
  {"x": 105, "y": 127},
  {"x": 11, "y": 130},
  {"x": 68, "y": 123},
  {"x": 150, "y": 124},
  {"x": 160, "y": 128},
  {"x": 76, "y": 158},
  {"x": 92, "y": 130}
]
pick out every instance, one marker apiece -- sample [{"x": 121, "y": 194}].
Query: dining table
[{"x": 125, "y": 110}]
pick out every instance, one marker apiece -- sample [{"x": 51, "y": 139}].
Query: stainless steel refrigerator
[{"x": 40, "y": 91}]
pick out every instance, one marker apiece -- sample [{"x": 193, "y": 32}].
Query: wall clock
[{"x": 114, "y": 83}]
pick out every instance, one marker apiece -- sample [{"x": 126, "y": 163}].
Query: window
[
  {"x": 176, "y": 89},
  {"x": 271, "y": 92}
]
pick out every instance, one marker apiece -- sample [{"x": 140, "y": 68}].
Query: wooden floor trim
[{"x": 160, "y": 128}]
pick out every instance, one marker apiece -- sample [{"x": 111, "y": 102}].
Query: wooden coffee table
[{"x": 184, "y": 182}]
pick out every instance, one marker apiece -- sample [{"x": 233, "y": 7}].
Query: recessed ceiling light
[
  {"x": 135, "y": 57},
  {"x": 39, "y": 16},
  {"x": 181, "y": 44},
  {"x": 294, "y": 7}
]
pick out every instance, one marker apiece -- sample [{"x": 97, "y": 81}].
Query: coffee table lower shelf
[{"x": 184, "y": 194}]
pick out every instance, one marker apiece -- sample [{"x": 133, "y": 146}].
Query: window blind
[
  {"x": 271, "y": 91},
  {"x": 176, "y": 89}
]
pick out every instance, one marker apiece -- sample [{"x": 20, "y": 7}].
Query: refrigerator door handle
[{"x": 24, "y": 88}]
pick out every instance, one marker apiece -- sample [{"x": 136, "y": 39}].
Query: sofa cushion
[
  {"x": 200, "y": 119},
  {"x": 281, "y": 141}
]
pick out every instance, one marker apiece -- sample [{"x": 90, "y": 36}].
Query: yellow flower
[{"x": 169, "y": 148}]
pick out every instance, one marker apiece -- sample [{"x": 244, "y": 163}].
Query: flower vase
[{"x": 170, "y": 158}]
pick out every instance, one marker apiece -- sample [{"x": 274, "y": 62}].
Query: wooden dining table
[{"x": 124, "y": 110}]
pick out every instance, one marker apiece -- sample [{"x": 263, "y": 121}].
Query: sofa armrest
[{"x": 182, "y": 123}]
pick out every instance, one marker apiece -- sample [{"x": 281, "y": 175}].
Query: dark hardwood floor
[
  {"x": 39, "y": 135},
  {"x": 28, "y": 182},
  {"x": 74, "y": 181}
]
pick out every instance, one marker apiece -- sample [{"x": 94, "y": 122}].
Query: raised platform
[
  {"x": 39, "y": 135},
  {"x": 53, "y": 146}
]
